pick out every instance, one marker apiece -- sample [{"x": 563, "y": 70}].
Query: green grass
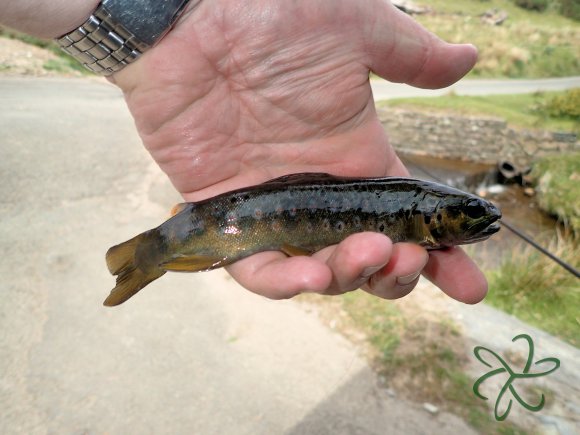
[
  {"x": 523, "y": 110},
  {"x": 421, "y": 357},
  {"x": 558, "y": 187},
  {"x": 527, "y": 44},
  {"x": 538, "y": 291},
  {"x": 64, "y": 65}
]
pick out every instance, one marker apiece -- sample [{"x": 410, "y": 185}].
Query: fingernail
[
  {"x": 366, "y": 273},
  {"x": 406, "y": 280}
]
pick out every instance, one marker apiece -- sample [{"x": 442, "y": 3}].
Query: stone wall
[{"x": 477, "y": 139}]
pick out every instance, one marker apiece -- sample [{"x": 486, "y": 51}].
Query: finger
[
  {"x": 457, "y": 275},
  {"x": 401, "y": 50},
  {"x": 275, "y": 276},
  {"x": 355, "y": 259},
  {"x": 401, "y": 274}
]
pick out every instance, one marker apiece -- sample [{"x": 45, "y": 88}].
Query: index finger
[{"x": 456, "y": 274}]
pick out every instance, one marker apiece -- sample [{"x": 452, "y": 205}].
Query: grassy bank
[
  {"x": 557, "y": 181},
  {"x": 538, "y": 291},
  {"x": 527, "y": 44},
  {"x": 59, "y": 62},
  {"x": 419, "y": 353},
  {"x": 525, "y": 110}
]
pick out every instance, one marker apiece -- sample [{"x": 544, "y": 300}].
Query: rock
[
  {"x": 391, "y": 393},
  {"x": 529, "y": 191},
  {"x": 494, "y": 17},
  {"x": 551, "y": 424},
  {"x": 430, "y": 408}
]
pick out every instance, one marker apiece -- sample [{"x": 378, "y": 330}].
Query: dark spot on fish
[
  {"x": 234, "y": 199},
  {"x": 339, "y": 226},
  {"x": 326, "y": 225},
  {"x": 439, "y": 217},
  {"x": 382, "y": 227},
  {"x": 427, "y": 219}
]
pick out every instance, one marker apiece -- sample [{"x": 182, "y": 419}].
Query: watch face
[{"x": 148, "y": 20}]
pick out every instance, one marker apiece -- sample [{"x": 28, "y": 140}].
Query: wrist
[{"x": 118, "y": 32}]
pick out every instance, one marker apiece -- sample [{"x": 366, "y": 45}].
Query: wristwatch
[{"x": 119, "y": 31}]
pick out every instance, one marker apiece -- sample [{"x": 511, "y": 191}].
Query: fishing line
[
  {"x": 547, "y": 253},
  {"x": 568, "y": 267}
]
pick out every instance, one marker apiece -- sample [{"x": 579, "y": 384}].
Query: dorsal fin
[
  {"x": 303, "y": 177},
  {"x": 178, "y": 208}
]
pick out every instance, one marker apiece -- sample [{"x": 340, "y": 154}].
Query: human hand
[{"x": 241, "y": 92}]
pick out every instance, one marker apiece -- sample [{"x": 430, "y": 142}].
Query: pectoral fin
[
  {"x": 422, "y": 232},
  {"x": 293, "y": 251},
  {"x": 193, "y": 263}
]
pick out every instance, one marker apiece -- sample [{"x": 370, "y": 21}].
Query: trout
[{"x": 298, "y": 214}]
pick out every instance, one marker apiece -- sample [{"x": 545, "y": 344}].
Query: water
[{"x": 518, "y": 209}]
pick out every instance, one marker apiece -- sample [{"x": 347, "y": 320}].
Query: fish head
[{"x": 460, "y": 220}]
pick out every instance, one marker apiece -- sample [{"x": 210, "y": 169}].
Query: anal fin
[
  {"x": 193, "y": 263},
  {"x": 293, "y": 251}
]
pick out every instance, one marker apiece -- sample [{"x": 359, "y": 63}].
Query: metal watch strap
[{"x": 107, "y": 41}]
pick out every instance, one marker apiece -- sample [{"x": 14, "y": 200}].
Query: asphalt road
[
  {"x": 192, "y": 353},
  {"x": 383, "y": 90}
]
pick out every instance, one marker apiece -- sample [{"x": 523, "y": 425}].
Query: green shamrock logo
[{"x": 513, "y": 377}]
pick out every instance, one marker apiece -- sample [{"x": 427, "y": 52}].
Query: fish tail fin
[{"x": 130, "y": 277}]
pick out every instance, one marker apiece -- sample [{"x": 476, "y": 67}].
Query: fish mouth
[
  {"x": 485, "y": 229},
  {"x": 491, "y": 229}
]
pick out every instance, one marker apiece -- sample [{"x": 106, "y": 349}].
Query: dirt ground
[{"x": 19, "y": 58}]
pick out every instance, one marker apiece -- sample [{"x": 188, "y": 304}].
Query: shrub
[
  {"x": 557, "y": 184},
  {"x": 570, "y": 9},
  {"x": 566, "y": 105},
  {"x": 533, "y": 5}
]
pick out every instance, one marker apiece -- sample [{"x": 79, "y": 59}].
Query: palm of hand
[{"x": 240, "y": 92}]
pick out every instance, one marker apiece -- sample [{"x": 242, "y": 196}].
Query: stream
[{"x": 519, "y": 210}]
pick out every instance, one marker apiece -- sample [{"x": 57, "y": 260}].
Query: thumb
[{"x": 403, "y": 51}]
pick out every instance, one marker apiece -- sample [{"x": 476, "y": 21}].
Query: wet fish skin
[{"x": 298, "y": 214}]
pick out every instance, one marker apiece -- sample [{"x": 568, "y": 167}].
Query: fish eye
[{"x": 474, "y": 210}]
